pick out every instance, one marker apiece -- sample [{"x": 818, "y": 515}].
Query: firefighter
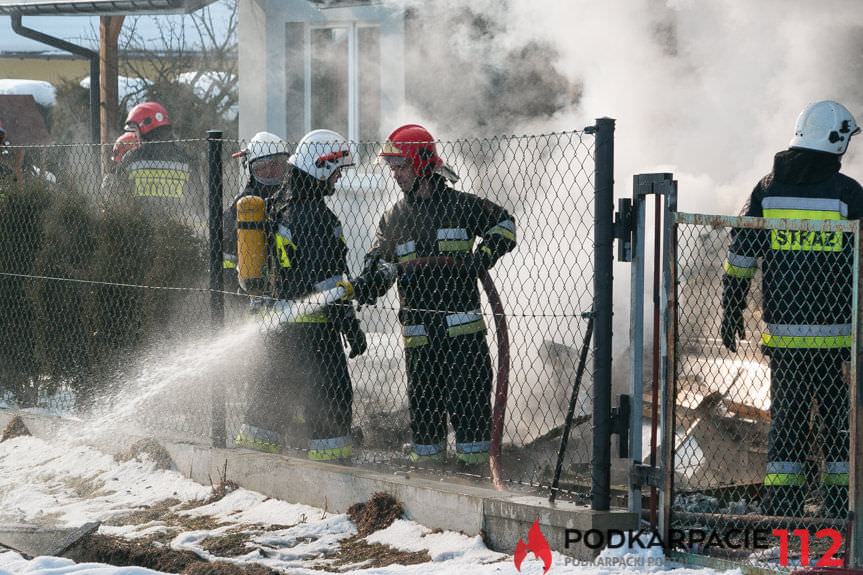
[
  {"x": 125, "y": 142},
  {"x": 265, "y": 160},
  {"x": 807, "y": 286},
  {"x": 447, "y": 358},
  {"x": 158, "y": 174},
  {"x": 306, "y": 362}
]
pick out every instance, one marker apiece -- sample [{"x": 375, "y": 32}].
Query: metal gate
[{"x": 716, "y": 405}]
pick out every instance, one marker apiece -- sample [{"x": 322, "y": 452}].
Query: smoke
[{"x": 710, "y": 90}]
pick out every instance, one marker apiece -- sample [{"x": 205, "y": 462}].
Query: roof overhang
[{"x": 100, "y": 7}]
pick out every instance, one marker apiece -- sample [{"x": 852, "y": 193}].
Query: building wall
[
  {"x": 53, "y": 69},
  {"x": 263, "y": 62}
]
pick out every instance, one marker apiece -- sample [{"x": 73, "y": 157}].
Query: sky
[
  {"x": 59, "y": 483},
  {"x": 84, "y": 30}
]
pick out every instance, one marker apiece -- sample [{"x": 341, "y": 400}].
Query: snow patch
[{"x": 43, "y": 92}]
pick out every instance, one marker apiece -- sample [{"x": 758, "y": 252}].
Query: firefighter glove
[
  {"x": 732, "y": 328},
  {"x": 356, "y": 340},
  {"x": 376, "y": 278}
]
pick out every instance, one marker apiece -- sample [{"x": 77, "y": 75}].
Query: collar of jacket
[
  {"x": 263, "y": 190},
  {"x": 439, "y": 190},
  {"x": 800, "y": 166},
  {"x": 303, "y": 186}
]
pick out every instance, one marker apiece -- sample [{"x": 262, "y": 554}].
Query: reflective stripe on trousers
[{"x": 807, "y": 336}]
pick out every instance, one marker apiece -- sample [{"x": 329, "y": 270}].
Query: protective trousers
[
  {"x": 797, "y": 377},
  {"x": 306, "y": 387},
  {"x": 450, "y": 376}
]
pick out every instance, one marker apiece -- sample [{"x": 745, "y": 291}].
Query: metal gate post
[
  {"x": 668, "y": 366},
  {"x": 603, "y": 250},
  {"x": 636, "y": 343},
  {"x": 640, "y": 475},
  {"x": 855, "y": 480},
  {"x": 218, "y": 434}
]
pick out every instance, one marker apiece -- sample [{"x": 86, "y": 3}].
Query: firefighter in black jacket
[
  {"x": 448, "y": 361},
  {"x": 807, "y": 288},
  {"x": 265, "y": 158},
  {"x": 307, "y": 363}
]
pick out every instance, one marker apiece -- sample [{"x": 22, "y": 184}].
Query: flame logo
[{"x": 537, "y": 544}]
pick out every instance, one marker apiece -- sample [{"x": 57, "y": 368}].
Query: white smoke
[{"x": 709, "y": 89}]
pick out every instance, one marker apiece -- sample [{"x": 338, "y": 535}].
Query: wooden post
[{"x": 109, "y": 34}]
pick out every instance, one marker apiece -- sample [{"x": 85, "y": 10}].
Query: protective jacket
[
  {"x": 162, "y": 178},
  {"x": 446, "y": 224},
  {"x": 448, "y": 361},
  {"x": 807, "y": 276},
  {"x": 310, "y": 252}
]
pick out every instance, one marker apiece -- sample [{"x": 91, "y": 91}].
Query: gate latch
[
  {"x": 623, "y": 229},
  {"x": 620, "y": 425},
  {"x": 646, "y": 476}
]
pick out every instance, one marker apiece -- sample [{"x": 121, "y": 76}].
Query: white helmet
[
  {"x": 264, "y": 145},
  {"x": 322, "y": 152},
  {"x": 826, "y": 126}
]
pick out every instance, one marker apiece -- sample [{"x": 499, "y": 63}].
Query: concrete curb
[{"x": 502, "y": 517}]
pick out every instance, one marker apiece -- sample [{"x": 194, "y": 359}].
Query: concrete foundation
[{"x": 501, "y": 517}]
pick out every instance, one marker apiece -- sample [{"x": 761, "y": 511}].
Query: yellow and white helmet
[
  {"x": 321, "y": 152},
  {"x": 826, "y": 126}
]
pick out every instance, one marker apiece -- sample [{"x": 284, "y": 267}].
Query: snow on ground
[{"x": 56, "y": 483}]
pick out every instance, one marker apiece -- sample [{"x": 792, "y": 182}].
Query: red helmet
[
  {"x": 147, "y": 116},
  {"x": 415, "y": 143},
  {"x": 127, "y": 141}
]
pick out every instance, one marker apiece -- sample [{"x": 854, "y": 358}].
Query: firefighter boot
[
  {"x": 783, "y": 500},
  {"x": 252, "y": 437},
  {"x": 835, "y": 498}
]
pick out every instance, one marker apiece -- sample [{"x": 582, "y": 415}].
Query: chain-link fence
[
  {"x": 765, "y": 309},
  {"x": 107, "y": 306}
]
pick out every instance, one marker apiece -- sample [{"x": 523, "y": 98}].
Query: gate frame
[{"x": 673, "y": 218}]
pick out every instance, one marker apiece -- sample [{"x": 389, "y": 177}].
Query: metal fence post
[
  {"x": 218, "y": 434},
  {"x": 603, "y": 237}
]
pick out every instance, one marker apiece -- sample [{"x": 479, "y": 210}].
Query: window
[{"x": 333, "y": 79}]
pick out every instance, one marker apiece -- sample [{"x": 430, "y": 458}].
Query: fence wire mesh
[
  {"x": 762, "y": 397},
  {"x": 105, "y": 303}
]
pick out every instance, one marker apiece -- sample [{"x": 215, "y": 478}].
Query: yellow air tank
[{"x": 251, "y": 244}]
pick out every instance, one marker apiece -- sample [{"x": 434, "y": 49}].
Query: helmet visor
[
  {"x": 270, "y": 170},
  {"x": 392, "y": 161}
]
